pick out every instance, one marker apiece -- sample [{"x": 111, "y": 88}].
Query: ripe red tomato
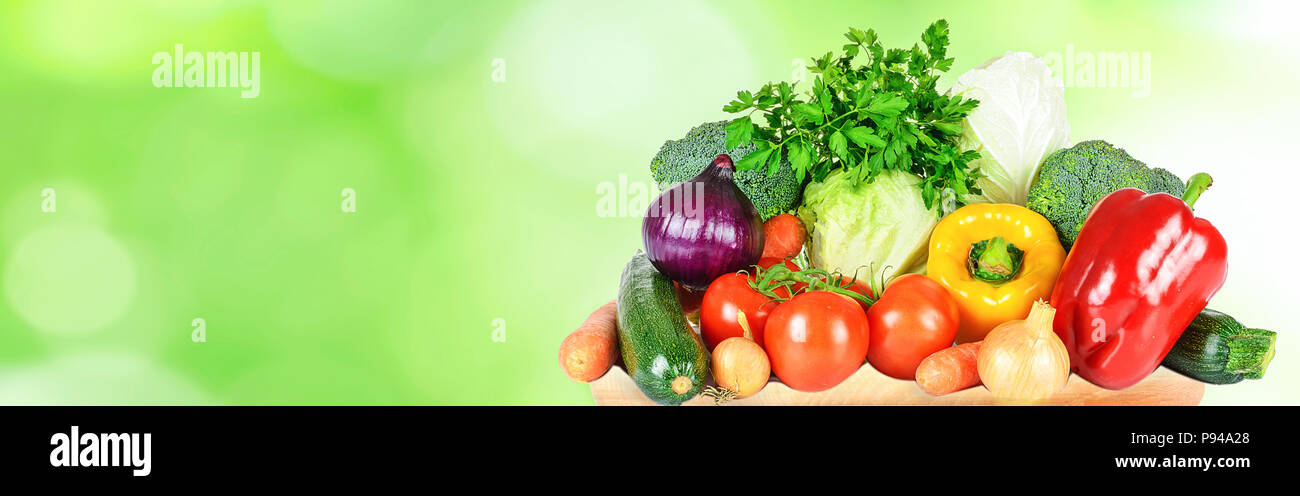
[
  {"x": 913, "y": 318},
  {"x": 726, "y": 298},
  {"x": 816, "y": 340}
]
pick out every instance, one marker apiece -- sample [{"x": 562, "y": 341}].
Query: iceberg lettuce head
[{"x": 881, "y": 225}]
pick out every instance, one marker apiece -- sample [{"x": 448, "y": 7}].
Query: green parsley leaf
[
  {"x": 754, "y": 159},
  {"x": 863, "y": 137},
  {"x": 839, "y": 145},
  {"x": 800, "y": 155},
  {"x": 887, "y": 105},
  {"x": 740, "y": 131},
  {"x": 773, "y": 161},
  {"x": 809, "y": 112}
]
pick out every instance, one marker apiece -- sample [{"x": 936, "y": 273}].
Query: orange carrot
[
  {"x": 783, "y": 236},
  {"x": 949, "y": 370},
  {"x": 590, "y": 351}
]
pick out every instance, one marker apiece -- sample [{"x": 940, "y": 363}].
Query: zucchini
[
  {"x": 661, "y": 352},
  {"x": 1217, "y": 349}
]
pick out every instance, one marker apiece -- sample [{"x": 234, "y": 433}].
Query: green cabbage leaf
[{"x": 1019, "y": 122}]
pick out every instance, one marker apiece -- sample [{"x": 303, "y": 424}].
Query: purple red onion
[{"x": 703, "y": 228}]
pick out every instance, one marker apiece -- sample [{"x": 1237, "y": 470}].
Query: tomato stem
[{"x": 765, "y": 282}]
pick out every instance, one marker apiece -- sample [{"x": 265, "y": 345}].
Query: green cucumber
[
  {"x": 1217, "y": 349},
  {"x": 661, "y": 352}
]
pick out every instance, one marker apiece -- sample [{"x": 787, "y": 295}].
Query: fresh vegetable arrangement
[{"x": 953, "y": 238}]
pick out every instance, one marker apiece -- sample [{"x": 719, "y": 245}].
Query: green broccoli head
[
  {"x": 1074, "y": 179},
  {"x": 679, "y": 160}
]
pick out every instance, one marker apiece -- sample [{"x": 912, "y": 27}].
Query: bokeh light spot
[
  {"x": 98, "y": 378},
  {"x": 69, "y": 279}
]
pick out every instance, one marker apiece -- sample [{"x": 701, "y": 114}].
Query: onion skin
[
  {"x": 741, "y": 365},
  {"x": 703, "y": 228},
  {"x": 1023, "y": 361}
]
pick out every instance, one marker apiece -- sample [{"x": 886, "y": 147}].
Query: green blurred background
[{"x": 477, "y": 136}]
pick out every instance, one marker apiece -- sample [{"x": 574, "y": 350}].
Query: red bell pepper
[{"x": 1141, "y": 269}]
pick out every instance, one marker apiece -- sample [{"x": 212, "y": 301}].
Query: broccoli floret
[
  {"x": 1074, "y": 179},
  {"x": 679, "y": 160}
]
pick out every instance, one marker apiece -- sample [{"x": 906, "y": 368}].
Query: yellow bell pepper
[{"x": 996, "y": 259}]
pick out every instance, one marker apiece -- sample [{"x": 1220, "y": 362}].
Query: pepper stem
[
  {"x": 1196, "y": 185},
  {"x": 994, "y": 260}
]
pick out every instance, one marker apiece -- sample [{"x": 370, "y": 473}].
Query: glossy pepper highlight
[
  {"x": 1141, "y": 269},
  {"x": 995, "y": 260}
]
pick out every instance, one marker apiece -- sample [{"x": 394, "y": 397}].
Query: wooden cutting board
[{"x": 869, "y": 387}]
